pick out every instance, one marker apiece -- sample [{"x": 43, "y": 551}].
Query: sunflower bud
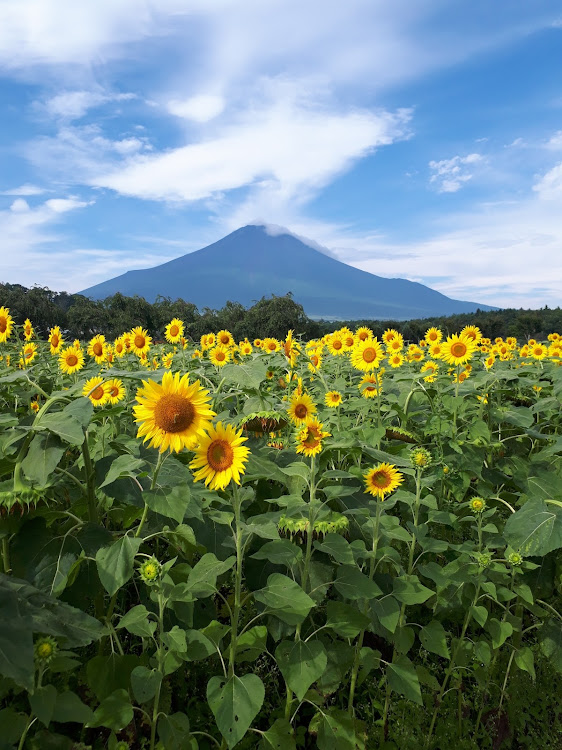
[
  {"x": 45, "y": 650},
  {"x": 150, "y": 570}
]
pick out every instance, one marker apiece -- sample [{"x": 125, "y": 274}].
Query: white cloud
[
  {"x": 19, "y": 205},
  {"x": 26, "y": 189},
  {"x": 555, "y": 141},
  {"x": 72, "y": 105},
  {"x": 450, "y": 174},
  {"x": 549, "y": 186},
  {"x": 200, "y": 108}
]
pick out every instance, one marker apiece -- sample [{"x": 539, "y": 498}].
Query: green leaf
[
  {"x": 247, "y": 375},
  {"x": 353, "y": 584},
  {"x": 202, "y": 579},
  {"x": 115, "y": 563},
  {"x": 387, "y": 611},
  {"x": 251, "y": 643},
  {"x": 16, "y": 642},
  {"x": 301, "y": 663},
  {"x": 336, "y": 731},
  {"x": 500, "y": 631},
  {"x": 145, "y": 682},
  {"x": 403, "y": 679},
  {"x": 434, "y": 638},
  {"x": 525, "y": 660},
  {"x": 81, "y": 409},
  {"x": 278, "y": 737},
  {"x": 43, "y": 456},
  {"x": 42, "y": 702},
  {"x": 114, "y": 712},
  {"x": 136, "y": 622},
  {"x": 123, "y": 466},
  {"x": 106, "y": 674},
  {"x": 345, "y": 619},
  {"x": 279, "y": 552},
  {"x": 65, "y": 425},
  {"x": 337, "y": 547},
  {"x": 69, "y": 707},
  {"x": 550, "y": 639},
  {"x": 12, "y": 726},
  {"x": 285, "y": 598},
  {"x": 174, "y": 732},
  {"x": 404, "y": 638},
  {"x": 235, "y": 703},
  {"x": 535, "y": 529},
  {"x": 409, "y": 590},
  {"x": 198, "y": 646},
  {"x": 171, "y": 503},
  {"x": 479, "y": 613}
]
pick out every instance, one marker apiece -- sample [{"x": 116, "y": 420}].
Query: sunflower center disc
[
  {"x": 380, "y": 479},
  {"x": 173, "y": 413},
  {"x": 458, "y": 350},
  {"x": 220, "y": 455},
  {"x": 3, "y": 325},
  {"x": 139, "y": 341},
  {"x": 337, "y": 344},
  {"x": 98, "y": 394},
  {"x": 369, "y": 355},
  {"x": 55, "y": 341},
  {"x": 300, "y": 411},
  {"x": 72, "y": 360},
  {"x": 174, "y": 330},
  {"x": 98, "y": 349}
]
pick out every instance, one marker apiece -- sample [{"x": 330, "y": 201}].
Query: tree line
[{"x": 81, "y": 317}]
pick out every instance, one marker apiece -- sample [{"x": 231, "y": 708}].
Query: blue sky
[{"x": 419, "y": 139}]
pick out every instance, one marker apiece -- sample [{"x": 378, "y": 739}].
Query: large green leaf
[
  {"x": 171, "y": 503},
  {"x": 65, "y": 425},
  {"x": 337, "y": 730},
  {"x": 202, "y": 579},
  {"x": 115, "y": 563},
  {"x": 337, "y": 547},
  {"x": 285, "y": 598},
  {"x": 43, "y": 456},
  {"x": 114, "y": 712},
  {"x": 403, "y": 679},
  {"x": 279, "y": 552},
  {"x": 279, "y": 736},
  {"x": 173, "y": 730},
  {"x": 42, "y": 702},
  {"x": 301, "y": 663},
  {"x": 550, "y": 639},
  {"x": 16, "y": 641},
  {"x": 145, "y": 682},
  {"x": 345, "y": 619},
  {"x": 123, "y": 466},
  {"x": 235, "y": 703},
  {"x": 434, "y": 638},
  {"x": 246, "y": 375},
  {"x": 69, "y": 707},
  {"x": 136, "y": 622},
  {"x": 409, "y": 590},
  {"x": 387, "y": 611},
  {"x": 353, "y": 584},
  {"x": 535, "y": 529}
]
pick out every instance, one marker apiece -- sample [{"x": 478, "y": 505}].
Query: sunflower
[
  {"x": 433, "y": 336},
  {"x": 173, "y": 414},
  {"x": 271, "y": 345},
  {"x": 29, "y": 352},
  {"x": 458, "y": 349},
  {"x": 363, "y": 333},
  {"x": 225, "y": 338},
  {"x": 245, "y": 348},
  {"x": 140, "y": 341},
  {"x": 382, "y": 479},
  {"x": 474, "y": 333},
  {"x": 6, "y": 324},
  {"x": 28, "y": 331},
  {"x": 336, "y": 344},
  {"x": 370, "y": 384},
  {"x": 220, "y": 456},
  {"x": 538, "y": 351},
  {"x": 97, "y": 348},
  {"x": 96, "y": 390},
  {"x": 55, "y": 339},
  {"x": 219, "y": 356},
  {"x": 396, "y": 344},
  {"x": 367, "y": 355},
  {"x": 395, "y": 360},
  {"x": 309, "y": 438},
  {"x": 119, "y": 347},
  {"x": 258, "y": 343},
  {"x": 174, "y": 331},
  {"x": 333, "y": 399},
  {"x": 436, "y": 351},
  {"x": 315, "y": 358},
  {"x": 167, "y": 360},
  {"x": 291, "y": 349},
  {"x": 389, "y": 335},
  {"x": 348, "y": 339},
  {"x": 116, "y": 391},
  {"x": 301, "y": 408},
  {"x": 429, "y": 369},
  {"x": 71, "y": 360}
]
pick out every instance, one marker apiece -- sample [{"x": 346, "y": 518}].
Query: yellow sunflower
[
  {"x": 219, "y": 356},
  {"x": 363, "y": 333},
  {"x": 474, "y": 333},
  {"x": 245, "y": 348},
  {"x": 301, "y": 408},
  {"x": 29, "y": 352},
  {"x": 370, "y": 384},
  {"x": 258, "y": 343},
  {"x": 429, "y": 369},
  {"x": 220, "y": 456},
  {"x": 96, "y": 390},
  {"x": 174, "y": 331},
  {"x": 119, "y": 347},
  {"x": 396, "y": 344},
  {"x": 538, "y": 351},
  {"x": 382, "y": 479},
  {"x": 116, "y": 391},
  {"x": 457, "y": 349},
  {"x": 333, "y": 399},
  {"x": 436, "y": 351},
  {"x": 395, "y": 359},
  {"x": 367, "y": 355},
  {"x": 167, "y": 360},
  {"x": 348, "y": 339},
  {"x": 172, "y": 415},
  {"x": 28, "y": 331},
  {"x": 389, "y": 335},
  {"x": 433, "y": 336},
  {"x": 55, "y": 340},
  {"x": 140, "y": 341},
  {"x": 291, "y": 349},
  {"x": 271, "y": 345},
  {"x": 71, "y": 360},
  {"x": 6, "y": 324},
  {"x": 224, "y": 338},
  {"x": 336, "y": 345},
  {"x": 309, "y": 438},
  {"x": 97, "y": 348},
  {"x": 315, "y": 358}
]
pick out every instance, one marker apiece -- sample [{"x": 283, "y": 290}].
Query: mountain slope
[{"x": 250, "y": 263}]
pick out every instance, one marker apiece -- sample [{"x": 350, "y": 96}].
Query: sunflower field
[{"x": 339, "y": 543}]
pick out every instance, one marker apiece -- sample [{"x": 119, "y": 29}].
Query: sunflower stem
[
  {"x": 161, "y": 458},
  {"x": 237, "y": 581}
]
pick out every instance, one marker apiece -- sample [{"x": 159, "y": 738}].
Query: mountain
[{"x": 251, "y": 263}]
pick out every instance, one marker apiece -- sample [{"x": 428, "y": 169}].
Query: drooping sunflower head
[
  {"x": 220, "y": 456},
  {"x": 382, "y": 479},
  {"x": 174, "y": 331},
  {"x": 301, "y": 408},
  {"x": 140, "y": 340},
  {"x": 172, "y": 415},
  {"x": 333, "y": 399},
  {"x": 429, "y": 369},
  {"x": 367, "y": 355},
  {"x": 315, "y": 359}
]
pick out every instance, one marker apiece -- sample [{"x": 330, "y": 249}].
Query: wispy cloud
[
  {"x": 73, "y": 105},
  {"x": 26, "y": 189},
  {"x": 449, "y": 175}
]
